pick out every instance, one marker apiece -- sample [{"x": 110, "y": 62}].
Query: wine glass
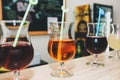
[
  {"x": 114, "y": 39},
  {"x": 96, "y": 42},
  {"x": 15, "y": 58},
  {"x": 61, "y": 46}
]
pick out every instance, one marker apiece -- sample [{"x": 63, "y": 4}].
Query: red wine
[
  {"x": 96, "y": 45},
  {"x": 16, "y": 58}
]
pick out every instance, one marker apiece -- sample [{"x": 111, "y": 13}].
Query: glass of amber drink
[{"x": 61, "y": 46}]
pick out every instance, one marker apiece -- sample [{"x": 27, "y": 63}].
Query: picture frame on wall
[
  {"x": 38, "y": 14},
  {"x": 82, "y": 17},
  {"x": 106, "y": 8}
]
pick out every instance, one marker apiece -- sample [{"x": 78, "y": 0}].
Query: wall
[
  {"x": 40, "y": 47},
  {"x": 71, "y": 4},
  {"x": 40, "y": 42}
]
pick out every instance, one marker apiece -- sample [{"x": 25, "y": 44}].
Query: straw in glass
[
  {"x": 101, "y": 12},
  {"x": 61, "y": 30},
  {"x": 31, "y": 2}
]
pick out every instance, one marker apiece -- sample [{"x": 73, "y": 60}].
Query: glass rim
[
  {"x": 11, "y": 21},
  {"x": 115, "y": 23},
  {"x": 96, "y": 23},
  {"x": 62, "y": 22}
]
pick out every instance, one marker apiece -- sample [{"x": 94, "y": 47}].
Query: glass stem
[
  {"x": 117, "y": 54},
  {"x": 95, "y": 58},
  {"x": 61, "y": 66},
  {"x": 63, "y": 72},
  {"x": 16, "y": 74}
]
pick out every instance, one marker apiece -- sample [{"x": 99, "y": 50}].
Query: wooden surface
[{"x": 111, "y": 70}]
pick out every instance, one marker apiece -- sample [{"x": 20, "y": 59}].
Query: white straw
[
  {"x": 62, "y": 24},
  {"x": 63, "y": 15}
]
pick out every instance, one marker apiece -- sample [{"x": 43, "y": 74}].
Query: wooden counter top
[{"x": 111, "y": 70}]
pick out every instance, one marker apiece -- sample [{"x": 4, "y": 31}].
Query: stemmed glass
[
  {"x": 96, "y": 41},
  {"x": 61, "y": 47},
  {"x": 18, "y": 57},
  {"x": 114, "y": 39}
]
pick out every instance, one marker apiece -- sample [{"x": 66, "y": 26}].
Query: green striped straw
[{"x": 31, "y": 2}]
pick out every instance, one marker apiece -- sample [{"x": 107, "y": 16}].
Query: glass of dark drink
[
  {"x": 18, "y": 57},
  {"x": 96, "y": 42},
  {"x": 61, "y": 47}
]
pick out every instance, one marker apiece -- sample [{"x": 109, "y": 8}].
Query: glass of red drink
[
  {"x": 96, "y": 42},
  {"x": 61, "y": 46},
  {"x": 15, "y": 58}
]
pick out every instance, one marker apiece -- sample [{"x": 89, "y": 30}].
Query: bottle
[{"x": 80, "y": 48}]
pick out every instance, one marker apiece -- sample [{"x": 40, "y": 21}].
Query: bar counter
[{"x": 82, "y": 71}]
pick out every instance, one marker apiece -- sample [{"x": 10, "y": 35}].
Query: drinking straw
[
  {"x": 63, "y": 15},
  {"x": 31, "y": 2},
  {"x": 101, "y": 12},
  {"x": 61, "y": 30}
]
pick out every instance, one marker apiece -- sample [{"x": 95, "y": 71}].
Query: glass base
[
  {"x": 115, "y": 57},
  {"x": 16, "y": 75},
  {"x": 61, "y": 73},
  {"x": 96, "y": 64}
]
